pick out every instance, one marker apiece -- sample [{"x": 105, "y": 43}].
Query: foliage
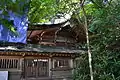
[
  {"x": 82, "y": 69},
  {"x": 44, "y": 10},
  {"x": 41, "y": 10},
  {"x": 106, "y": 30}
]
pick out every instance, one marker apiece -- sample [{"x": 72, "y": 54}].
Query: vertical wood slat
[
  {"x": 12, "y": 63},
  {"x": 0, "y": 63},
  {"x": 8, "y": 63},
  {"x": 3, "y": 63},
  {"x": 17, "y": 63}
]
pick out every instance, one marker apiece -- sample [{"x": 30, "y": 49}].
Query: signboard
[{"x": 3, "y": 75}]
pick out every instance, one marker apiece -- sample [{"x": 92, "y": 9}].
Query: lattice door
[{"x": 36, "y": 68}]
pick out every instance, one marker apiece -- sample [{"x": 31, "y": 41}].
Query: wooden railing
[{"x": 9, "y": 63}]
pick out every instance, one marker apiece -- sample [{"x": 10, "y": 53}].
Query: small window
[
  {"x": 61, "y": 63},
  {"x": 9, "y": 63}
]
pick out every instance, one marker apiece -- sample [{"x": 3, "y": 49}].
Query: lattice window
[
  {"x": 61, "y": 63},
  {"x": 9, "y": 63}
]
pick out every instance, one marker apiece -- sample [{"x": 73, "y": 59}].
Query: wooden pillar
[
  {"x": 50, "y": 66},
  {"x": 53, "y": 62},
  {"x": 21, "y": 60},
  {"x": 22, "y": 68},
  {"x": 74, "y": 63},
  {"x": 71, "y": 64}
]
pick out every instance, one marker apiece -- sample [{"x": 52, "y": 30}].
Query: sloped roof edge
[{"x": 41, "y": 49}]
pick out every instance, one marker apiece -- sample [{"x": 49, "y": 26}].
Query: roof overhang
[{"x": 40, "y": 48}]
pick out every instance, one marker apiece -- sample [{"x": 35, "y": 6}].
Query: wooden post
[
  {"x": 71, "y": 64},
  {"x": 20, "y": 63},
  {"x": 21, "y": 67},
  {"x": 50, "y": 66},
  {"x": 53, "y": 62}
]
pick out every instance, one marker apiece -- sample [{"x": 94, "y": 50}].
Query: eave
[
  {"x": 37, "y": 26},
  {"x": 40, "y": 50}
]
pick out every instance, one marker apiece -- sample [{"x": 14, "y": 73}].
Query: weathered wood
[
  {"x": 9, "y": 63},
  {"x": 36, "y": 68}
]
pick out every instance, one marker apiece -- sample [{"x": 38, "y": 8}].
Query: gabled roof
[{"x": 39, "y": 26}]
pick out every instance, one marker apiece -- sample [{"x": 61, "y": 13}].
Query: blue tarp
[{"x": 20, "y": 24}]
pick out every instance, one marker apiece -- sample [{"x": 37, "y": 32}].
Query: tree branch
[{"x": 87, "y": 37}]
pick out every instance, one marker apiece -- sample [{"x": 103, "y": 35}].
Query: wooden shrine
[{"x": 49, "y": 54}]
